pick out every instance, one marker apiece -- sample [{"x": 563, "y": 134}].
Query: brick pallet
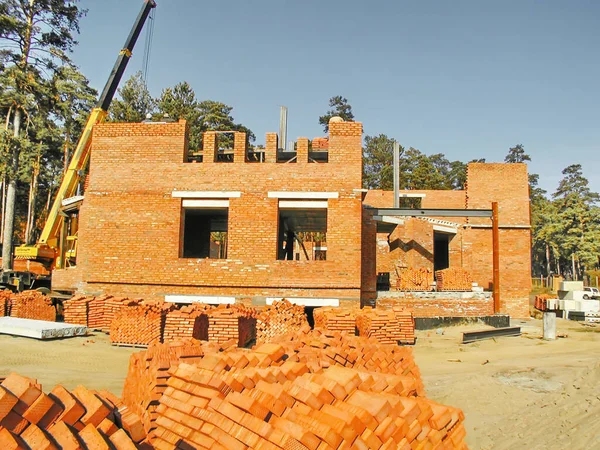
[
  {"x": 541, "y": 301},
  {"x": 32, "y": 305},
  {"x": 103, "y": 309},
  {"x": 5, "y": 303},
  {"x": 232, "y": 323},
  {"x": 336, "y": 319},
  {"x": 82, "y": 418},
  {"x": 278, "y": 319},
  {"x": 453, "y": 279},
  {"x": 380, "y": 324},
  {"x": 76, "y": 310},
  {"x": 406, "y": 323},
  {"x": 413, "y": 279},
  {"x": 190, "y": 321},
  {"x": 138, "y": 324}
]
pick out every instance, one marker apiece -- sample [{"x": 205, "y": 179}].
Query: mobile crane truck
[{"x": 57, "y": 246}]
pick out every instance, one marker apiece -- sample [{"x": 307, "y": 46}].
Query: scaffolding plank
[{"x": 39, "y": 329}]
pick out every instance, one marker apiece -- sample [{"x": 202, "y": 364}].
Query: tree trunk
[
  {"x": 548, "y": 269},
  {"x": 573, "y": 266},
  {"x": 32, "y": 197},
  {"x": 11, "y": 195},
  {"x": 2, "y": 206}
]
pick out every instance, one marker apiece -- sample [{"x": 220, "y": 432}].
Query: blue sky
[{"x": 467, "y": 78}]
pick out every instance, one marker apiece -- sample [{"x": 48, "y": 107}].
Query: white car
[{"x": 591, "y": 292}]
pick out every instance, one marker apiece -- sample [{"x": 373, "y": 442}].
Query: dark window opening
[
  {"x": 286, "y": 157},
  {"x": 318, "y": 156},
  {"x": 205, "y": 233},
  {"x": 410, "y": 202},
  {"x": 225, "y": 147},
  {"x": 309, "y": 311},
  {"x": 302, "y": 234},
  {"x": 441, "y": 253},
  {"x": 383, "y": 281}
]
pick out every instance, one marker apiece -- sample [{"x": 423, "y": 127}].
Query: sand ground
[{"x": 516, "y": 392}]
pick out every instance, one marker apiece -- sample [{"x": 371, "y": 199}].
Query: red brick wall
[
  {"x": 442, "y": 307},
  {"x": 130, "y": 224}
]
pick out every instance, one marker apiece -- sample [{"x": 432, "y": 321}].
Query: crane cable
[{"x": 148, "y": 46}]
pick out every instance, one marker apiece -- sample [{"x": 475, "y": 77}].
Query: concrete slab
[{"x": 39, "y": 329}]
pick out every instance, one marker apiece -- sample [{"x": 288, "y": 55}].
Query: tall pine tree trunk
[
  {"x": 35, "y": 174},
  {"x": 11, "y": 195},
  {"x": 548, "y": 269}
]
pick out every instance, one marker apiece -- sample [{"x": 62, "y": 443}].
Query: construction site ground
[{"x": 516, "y": 392}]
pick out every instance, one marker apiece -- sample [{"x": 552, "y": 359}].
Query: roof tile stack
[
  {"x": 280, "y": 318},
  {"x": 32, "y": 305},
  {"x": 336, "y": 319},
  {"x": 31, "y": 419},
  {"x": 138, "y": 324},
  {"x": 380, "y": 324},
  {"x": 414, "y": 279},
  {"x": 453, "y": 279},
  {"x": 190, "y": 321},
  {"x": 232, "y": 323},
  {"x": 76, "y": 310}
]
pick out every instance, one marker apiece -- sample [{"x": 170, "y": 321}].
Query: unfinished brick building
[{"x": 221, "y": 226}]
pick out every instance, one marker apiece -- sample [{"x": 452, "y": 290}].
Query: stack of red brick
[
  {"x": 5, "y": 303},
  {"x": 235, "y": 323},
  {"x": 278, "y": 319},
  {"x": 31, "y": 419},
  {"x": 275, "y": 397},
  {"x": 453, "y": 279},
  {"x": 32, "y": 305},
  {"x": 413, "y": 279},
  {"x": 76, "y": 310},
  {"x": 320, "y": 143},
  {"x": 102, "y": 310},
  {"x": 541, "y": 301},
  {"x": 139, "y": 323},
  {"x": 188, "y": 322},
  {"x": 380, "y": 324},
  {"x": 336, "y": 319}
]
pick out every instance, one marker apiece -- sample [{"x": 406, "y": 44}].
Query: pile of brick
[
  {"x": 31, "y": 419},
  {"x": 271, "y": 398},
  {"x": 76, "y": 310},
  {"x": 409, "y": 279},
  {"x": 5, "y": 302},
  {"x": 453, "y": 279},
  {"x": 406, "y": 323},
  {"x": 236, "y": 323},
  {"x": 32, "y": 305},
  {"x": 336, "y": 319},
  {"x": 380, "y": 324},
  {"x": 320, "y": 143},
  {"x": 280, "y": 318},
  {"x": 541, "y": 301},
  {"x": 102, "y": 310},
  {"x": 190, "y": 321},
  {"x": 138, "y": 323},
  {"x": 147, "y": 375}
]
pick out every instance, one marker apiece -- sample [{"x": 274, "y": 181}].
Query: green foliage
[
  {"x": 417, "y": 170},
  {"x": 340, "y": 107},
  {"x": 517, "y": 154},
  {"x": 134, "y": 101}
]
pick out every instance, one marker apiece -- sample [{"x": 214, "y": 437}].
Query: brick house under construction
[{"x": 221, "y": 226}]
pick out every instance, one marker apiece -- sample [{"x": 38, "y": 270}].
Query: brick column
[
  {"x": 302, "y": 150},
  {"x": 209, "y": 147},
  {"x": 271, "y": 148},
  {"x": 239, "y": 147}
]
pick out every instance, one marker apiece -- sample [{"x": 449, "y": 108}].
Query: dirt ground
[{"x": 516, "y": 392}]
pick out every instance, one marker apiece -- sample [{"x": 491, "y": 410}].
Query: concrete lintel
[
  {"x": 39, "y": 329},
  {"x": 303, "y": 195},
  {"x": 307, "y": 301},
  {"x": 409, "y": 195},
  {"x": 295, "y": 204},
  {"x": 389, "y": 219},
  {"x": 205, "y": 203},
  {"x": 208, "y": 299},
  {"x": 443, "y": 229},
  {"x": 206, "y": 194}
]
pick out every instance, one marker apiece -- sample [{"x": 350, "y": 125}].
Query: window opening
[
  {"x": 441, "y": 252},
  {"x": 302, "y": 234},
  {"x": 205, "y": 233}
]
